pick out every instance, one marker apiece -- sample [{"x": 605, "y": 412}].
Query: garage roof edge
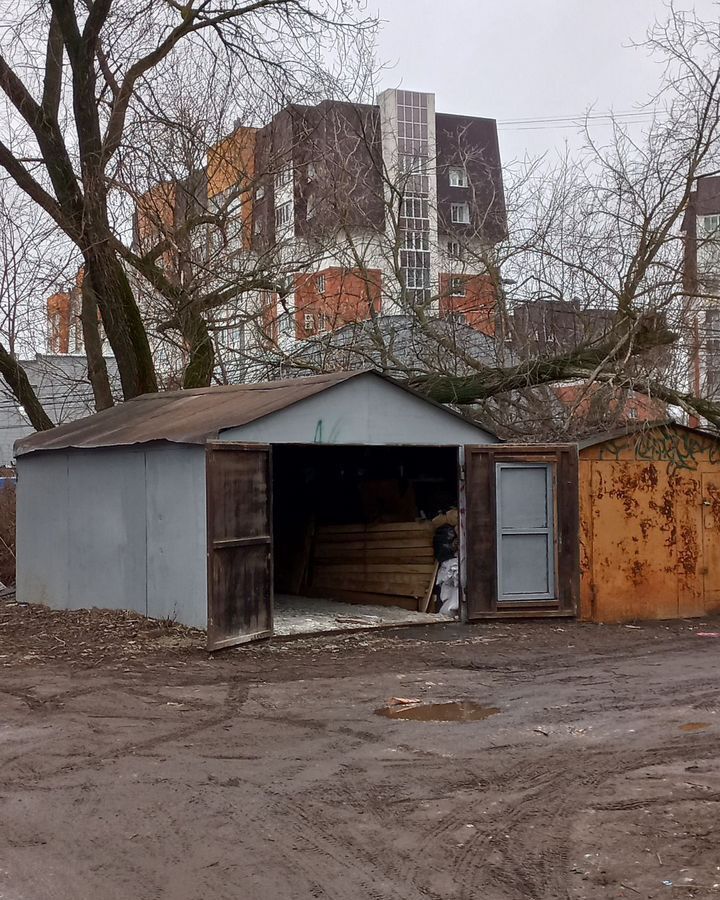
[{"x": 198, "y": 415}]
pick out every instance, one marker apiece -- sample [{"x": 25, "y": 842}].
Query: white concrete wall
[
  {"x": 364, "y": 410},
  {"x": 116, "y": 529}
]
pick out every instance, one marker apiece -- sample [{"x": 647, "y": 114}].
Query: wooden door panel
[
  {"x": 481, "y": 541},
  {"x": 239, "y": 511}
]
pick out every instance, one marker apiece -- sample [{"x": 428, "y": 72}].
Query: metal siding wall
[
  {"x": 176, "y": 534},
  {"x": 106, "y": 529},
  {"x": 116, "y": 529},
  {"x": 362, "y": 411},
  {"x": 42, "y": 535}
]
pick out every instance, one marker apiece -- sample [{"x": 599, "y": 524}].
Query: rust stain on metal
[
  {"x": 713, "y": 498},
  {"x": 688, "y": 550},
  {"x": 654, "y": 542},
  {"x": 637, "y": 572}
]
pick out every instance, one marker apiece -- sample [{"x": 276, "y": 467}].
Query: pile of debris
[
  {"x": 447, "y": 578},
  {"x": 36, "y": 634}
]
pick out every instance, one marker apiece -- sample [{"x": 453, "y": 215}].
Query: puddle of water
[
  {"x": 694, "y": 726},
  {"x": 454, "y": 711}
]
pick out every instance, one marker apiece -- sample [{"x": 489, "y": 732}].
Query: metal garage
[{"x": 164, "y": 504}]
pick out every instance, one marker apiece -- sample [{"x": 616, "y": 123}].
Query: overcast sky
[{"x": 521, "y": 59}]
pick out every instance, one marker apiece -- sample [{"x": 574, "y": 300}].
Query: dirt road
[{"x": 139, "y": 769}]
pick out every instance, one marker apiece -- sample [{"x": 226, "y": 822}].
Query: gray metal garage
[{"x": 164, "y": 504}]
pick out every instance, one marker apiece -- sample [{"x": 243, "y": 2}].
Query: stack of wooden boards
[{"x": 388, "y": 564}]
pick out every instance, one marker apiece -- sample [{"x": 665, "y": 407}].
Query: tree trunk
[
  {"x": 97, "y": 368},
  {"x": 198, "y": 372},
  {"x": 23, "y": 391},
  {"x": 121, "y": 319}
]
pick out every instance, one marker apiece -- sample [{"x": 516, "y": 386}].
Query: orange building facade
[
  {"x": 333, "y": 297},
  {"x": 473, "y": 297}
]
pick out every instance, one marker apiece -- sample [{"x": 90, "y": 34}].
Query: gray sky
[{"x": 520, "y": 59}]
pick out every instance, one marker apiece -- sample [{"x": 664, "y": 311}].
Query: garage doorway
[{"x": 353, "y": 538}]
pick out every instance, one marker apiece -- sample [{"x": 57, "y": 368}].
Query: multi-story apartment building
[
  {"x": 701, "y": 230},
  {"x": 338, "y": 213},
  {"x": 547, "y": 327}
]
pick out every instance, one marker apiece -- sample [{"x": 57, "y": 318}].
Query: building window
[
  {"x": 457, "y": 287},
  {"x": 283, "y": 177},
  {"x": 458, "y": 177},
  {"x": 415, "y": 256},
  {"x": 711, "y": 225},
  {"x": 417, "y": 279},
  {"x": 454, "y": 249},
  {"x": 416, "y": 240},
  {"x": 320, "y": 284},
  {"x": 413, "y": 207},
  {"x": 283, "y": 215},
  {"x": 460, "y": 213},
  {"x": 311, "y": 172},
  {"x": 413, "y": 164},
  {"x": 315, "y": 323}
]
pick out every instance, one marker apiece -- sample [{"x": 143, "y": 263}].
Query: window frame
[
  {"x": 454, "y": 250},
  {"x": 283, "y": 177},
  {"x": 413, "y": 282},
  {"x": 457, "y": 207},
  {"x": 458, "y": 286},
  {"x": 458, "y": 177},
  {"x": 282, "y": 220}
]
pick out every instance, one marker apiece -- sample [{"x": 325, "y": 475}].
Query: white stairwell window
[{"x": 283, "y": 215}]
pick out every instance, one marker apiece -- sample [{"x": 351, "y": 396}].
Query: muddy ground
[{"x": 134, "y": 767}]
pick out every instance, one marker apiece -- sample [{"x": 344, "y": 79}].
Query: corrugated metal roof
[
  {"x": 189, "y": 417},
  {"x": 637, "y": 428}
]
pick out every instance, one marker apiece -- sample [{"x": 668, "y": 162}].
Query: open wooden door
[
  {"x": 521, "y": 531},
  {"x": 239, "y": 543}
]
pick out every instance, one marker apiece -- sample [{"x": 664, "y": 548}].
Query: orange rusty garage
[{"x": 649, "y": 524}]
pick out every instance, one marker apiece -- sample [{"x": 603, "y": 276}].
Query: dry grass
[{"x": 7, "y": 535}]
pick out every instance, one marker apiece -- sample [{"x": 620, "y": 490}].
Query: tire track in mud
[{"x": 535, "y": 859}]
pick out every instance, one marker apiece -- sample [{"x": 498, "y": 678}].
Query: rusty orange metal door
[
  {"x": 634, "y": 554},
  {"x": 239, "y": 543},
  {"x": 711, "y": 540}
]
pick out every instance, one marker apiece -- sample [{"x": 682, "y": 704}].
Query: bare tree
[
  {"x": 82, "y": 82},
  {"x": 600, "y": 233}
]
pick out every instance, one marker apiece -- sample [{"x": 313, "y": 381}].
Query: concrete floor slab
[{"x": 312, "y": 615}]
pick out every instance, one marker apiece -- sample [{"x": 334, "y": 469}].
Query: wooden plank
[
  {"x": 405, "y": 554},
  {"x": 568, "y": 529},
  {"x": 370, "y": 567},
  {"x": 423, "y": 606},
  {"x": 397, "y": 586},
  {"x": 402, "y": 542},
  {"x": 481, "y": 592},
  {"x": 379, "y": 528}
]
